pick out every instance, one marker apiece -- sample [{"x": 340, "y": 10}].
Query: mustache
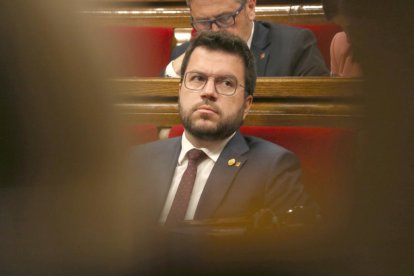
[{"x": 209, "y": 103}]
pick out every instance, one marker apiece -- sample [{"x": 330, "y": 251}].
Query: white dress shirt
[{"x": 203, "y": 172}]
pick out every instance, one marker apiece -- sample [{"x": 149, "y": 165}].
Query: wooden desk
[{"x": 300, "y": 101}]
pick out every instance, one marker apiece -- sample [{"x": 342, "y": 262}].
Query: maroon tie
[{"x": 182, "y": 196}]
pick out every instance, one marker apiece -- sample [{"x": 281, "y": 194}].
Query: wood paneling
[
  {"x": 179, "y": 16},
  {"x": 301, "y": 101}
]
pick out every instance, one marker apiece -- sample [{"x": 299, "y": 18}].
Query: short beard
[{"x": 223, "y": 130}]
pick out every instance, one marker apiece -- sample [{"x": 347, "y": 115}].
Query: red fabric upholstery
[
  {"x": 327, "y": 157},
  {"x": 140, "y": 134},
  {"x": 324, "y": 34},
  {"x": 176, "y": 131},
  {"x": 145, "y": 50}
]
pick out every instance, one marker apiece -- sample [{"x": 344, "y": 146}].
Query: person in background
[
  {"x": 279, "y": 50},
  {"x": 343, "y": 63},
  {"x": 64, "y": 187}
]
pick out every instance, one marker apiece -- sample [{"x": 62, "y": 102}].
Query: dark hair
[
  {"x": 331, "y": 8},
  {"x": 224, "y": 41}
]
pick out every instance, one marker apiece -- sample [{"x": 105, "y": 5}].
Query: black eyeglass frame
[
  {"x": 184, "y": 81},
  {"x": 217, "y": 20}
]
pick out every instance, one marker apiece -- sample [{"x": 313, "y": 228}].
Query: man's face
[
  {"x": 203, "y": 9},
  {"x": 207, "y": 114}
]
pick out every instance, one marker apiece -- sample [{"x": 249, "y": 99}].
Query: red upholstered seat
[
  {"x": 324, "y": 34},
  {"x": 142, "y": 133},
  {"x": 145, "y": 50},
  {"x": 327, "y": 157}
]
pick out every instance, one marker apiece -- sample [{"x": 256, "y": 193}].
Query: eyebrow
[{"x": 214, "y": 75}]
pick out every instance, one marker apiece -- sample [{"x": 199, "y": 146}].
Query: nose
[
  {"x": 215, "y": 27},
  {"x": 209, "y": 90}
]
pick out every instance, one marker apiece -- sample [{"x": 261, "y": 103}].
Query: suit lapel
[
  {"x": 259, "y": 48},
  {"x": 222, "y": 176},
  {"x": 166, "y": 169}
]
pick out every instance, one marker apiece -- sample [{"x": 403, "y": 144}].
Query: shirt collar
[
  {"x": 213, "y": 152},
  {"x": 249, "y": 41}
]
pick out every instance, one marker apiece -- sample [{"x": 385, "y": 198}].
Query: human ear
[
  {"x": 251, "y": 9},
  {"x": 247, "y": 105}
]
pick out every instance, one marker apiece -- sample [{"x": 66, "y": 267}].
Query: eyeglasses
[
  {"x": 225, "y": 85},
  {"x": 223, "y": 21}
]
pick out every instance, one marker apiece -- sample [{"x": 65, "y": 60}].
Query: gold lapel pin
[{"x": 231, "y": 162}]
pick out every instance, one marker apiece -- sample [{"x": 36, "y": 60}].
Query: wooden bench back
[
  {"x": 179, "y": 16},
  {"x": 296, "y": 101}
]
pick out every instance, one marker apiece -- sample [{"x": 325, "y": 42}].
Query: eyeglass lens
[
  {"x": 223, "y": 21},
  {"x": 224, "y": 84}
]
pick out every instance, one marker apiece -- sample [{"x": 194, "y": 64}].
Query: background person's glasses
[
  {"x": 225, "y": 85},
  {"x": 223, "y": 21}
]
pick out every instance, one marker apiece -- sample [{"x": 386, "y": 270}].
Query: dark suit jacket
[
  {"x": 281, "y": 50},
  {"x": 269, "y": 176}
]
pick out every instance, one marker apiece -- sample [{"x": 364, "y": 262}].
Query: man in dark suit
[
  {"x": 239, "y": 175},
  {"x": 279, "y": 50}
]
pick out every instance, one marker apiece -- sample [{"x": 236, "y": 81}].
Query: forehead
[
  {"x": 216, "y": 62},
  {"x": 202, "y": 9}
]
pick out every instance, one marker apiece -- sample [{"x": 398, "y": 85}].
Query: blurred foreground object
[
  {"x": 64, "y": 194},
  {"x": 265, "y": 243},
  {"x": 381, "y": 232}
]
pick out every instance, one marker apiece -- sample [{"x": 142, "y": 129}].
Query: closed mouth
[{"x": 206, "y": 108}]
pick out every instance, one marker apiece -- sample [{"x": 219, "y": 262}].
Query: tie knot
[{"x": 196, "y": 155}]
